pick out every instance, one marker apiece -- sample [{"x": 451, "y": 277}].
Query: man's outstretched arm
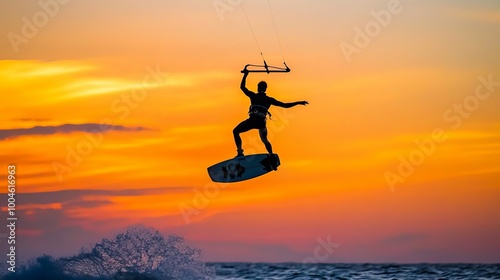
[
  {"x": 243, "y": 84},
  {"x": 290, "y": 104}
]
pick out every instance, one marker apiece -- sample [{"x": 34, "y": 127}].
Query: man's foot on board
[
  {"x": 240, "y": 153},
  {"x": 273, "y": 161}
]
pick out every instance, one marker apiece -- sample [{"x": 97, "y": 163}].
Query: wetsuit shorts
[{"x": 253, "y": 122}]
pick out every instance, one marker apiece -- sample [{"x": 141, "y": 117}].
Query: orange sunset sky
[{"x": 112, "y": 111}]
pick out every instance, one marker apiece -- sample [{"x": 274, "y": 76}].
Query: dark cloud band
[{"x": 65, "y": 128}]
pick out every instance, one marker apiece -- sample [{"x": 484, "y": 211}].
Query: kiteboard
[{"x": 242, "y": 168}]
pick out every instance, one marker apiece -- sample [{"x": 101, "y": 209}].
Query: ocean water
[
  {"x": 143, "y": 253},
  {"x": 50, "y": 269},
  {"x": 272, "y": 271}
]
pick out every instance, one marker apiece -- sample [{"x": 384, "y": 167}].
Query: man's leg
[
  {"x": 263, "y": 137},
  {"x": 244, "y": 126}
]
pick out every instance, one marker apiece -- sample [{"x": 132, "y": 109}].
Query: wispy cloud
[
  {"x": 77, "y": 197},
  {"x": 23, "y": 69},
  {"x": 65, "y": 128},
  {"x": 31, "y": 120}
]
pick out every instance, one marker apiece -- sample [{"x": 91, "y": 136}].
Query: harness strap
[{"x": 263, "y": 112}]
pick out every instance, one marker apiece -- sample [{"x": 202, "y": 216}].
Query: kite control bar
[{"x": 265, "y": 68}]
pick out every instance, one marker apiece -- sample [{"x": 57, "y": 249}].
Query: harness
[{"x": 259, "y": 111}]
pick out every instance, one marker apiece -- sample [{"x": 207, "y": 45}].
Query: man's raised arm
[{"x": 243, "y": 84}]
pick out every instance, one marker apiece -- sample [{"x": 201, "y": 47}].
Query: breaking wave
[{"x": 140, "y": 253}]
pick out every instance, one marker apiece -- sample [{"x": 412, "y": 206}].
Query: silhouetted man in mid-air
[{"x": 258, "y": 112}]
